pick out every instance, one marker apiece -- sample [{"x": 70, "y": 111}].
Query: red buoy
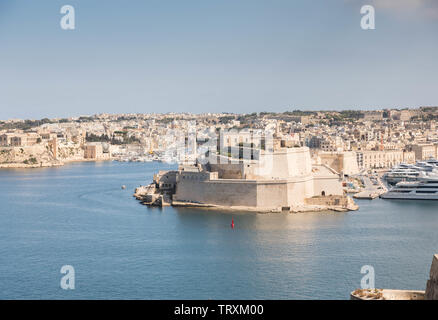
[{"x": 232, "y": 223}]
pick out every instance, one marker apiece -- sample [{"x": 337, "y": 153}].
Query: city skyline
[
  {"x": 215, "y": 57},
  {"x": 291, "y": 111}
]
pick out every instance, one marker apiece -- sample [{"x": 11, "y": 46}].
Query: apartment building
[
  {"x": 424, "y": 151},
  {"x": 379, "y": 159}
]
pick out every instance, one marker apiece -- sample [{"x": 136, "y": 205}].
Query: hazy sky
[{"x": 215, "y": 55}]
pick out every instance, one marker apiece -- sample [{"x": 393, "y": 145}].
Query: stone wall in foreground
[{"x": 432, "y": 283}]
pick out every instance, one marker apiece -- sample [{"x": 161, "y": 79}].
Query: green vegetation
[
  {"x": 426, "y": 117},
  {"x": 262, "y": 114},
  {"x": 171, "y": 119},
  {"x": 123, "y": 118},
  {"x": 26, "y": 125},
  {"x": 429, "y": 109},
  {"x": 90, "y": 137},
  {"x": 351, "y": 114},
  {"x": 29, "y": 124},
  {"x": 339, "y": 118},
  {"x": 226, "y": 119},
  {"x": 247, "y": 119},
  {"x": 31, "y": 160},
  {"x": 85, "y": 119},
  {"x": 299, "y": 113}
]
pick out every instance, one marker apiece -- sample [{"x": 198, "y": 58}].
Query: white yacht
[
  {"x": 405, "y": 173},
  {"x": 411, "y": 172},
  {"x": 424, "y": 166},
  {"x": 432, "y": 162},
  {"x": 425, "y": 188}
]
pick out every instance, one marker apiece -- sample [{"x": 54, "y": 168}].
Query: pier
[{"x": 374, "y": 187}]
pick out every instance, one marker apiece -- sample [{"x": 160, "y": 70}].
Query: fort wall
[
  {"x": 217, "y": 192},
  {"x": 281, "y": 179}
]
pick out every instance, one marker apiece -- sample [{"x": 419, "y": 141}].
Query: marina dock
[{"x": 374, "y": 187}]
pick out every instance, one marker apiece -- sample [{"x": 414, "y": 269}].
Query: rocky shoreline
[
  {"x": 24, "y": 165},
  {"x": 21, "y": 165}
]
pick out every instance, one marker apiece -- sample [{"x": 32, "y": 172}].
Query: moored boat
[{"x": 425, "y": 188}]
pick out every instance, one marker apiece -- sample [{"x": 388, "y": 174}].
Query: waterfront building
[
  {"x": 234, "y": 138},
  {"x": 424, "y": 151},
  {"x": 93, "y": 151},
  {"x": 332, "y": 144},
  {"x": 19, "y": 139},
  {"x": 314, "y": 142},
  {"x": 373, "y": 115},
  {"x": 5, "y": 140},
  {"x": 369, "y": 159}
]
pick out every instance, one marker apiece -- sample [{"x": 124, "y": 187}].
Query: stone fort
[{"x": 282, "y": 178}]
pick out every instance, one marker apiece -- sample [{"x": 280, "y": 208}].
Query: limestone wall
[
  {"x": 333, "y": 160},
  {"x": 432, "y": 283},
  {"x": 229, "y": 170},
  {"x": 350, "y": 163},
  {"x": 30, "y": 155},
  {"x": 284, "y": 164},
  {"x": 219, "y": 192},
  {"x": 327, "y": 186},
  {"x": 328, "y": 201},
  {"x": 70, "y": 152},
  {"x": 284, "y": 193},
  {"x": 345, "y": 162},
  {"x": 299, "y": 190},
  {"x": 262, "y": 194},
  {"x": 272, "y": 195}
]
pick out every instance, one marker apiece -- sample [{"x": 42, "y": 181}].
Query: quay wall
[
  {"x": 251, "y": 193},
  {"x": 272, "y": 195},
  {"x": 284, "y": 193},
  {"x": 217, "y": 192}
]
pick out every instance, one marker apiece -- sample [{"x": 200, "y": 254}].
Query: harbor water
[{"x": 79, "y": 215}]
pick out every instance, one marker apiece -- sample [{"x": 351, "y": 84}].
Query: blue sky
[{"x": 215, "y": 55}]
